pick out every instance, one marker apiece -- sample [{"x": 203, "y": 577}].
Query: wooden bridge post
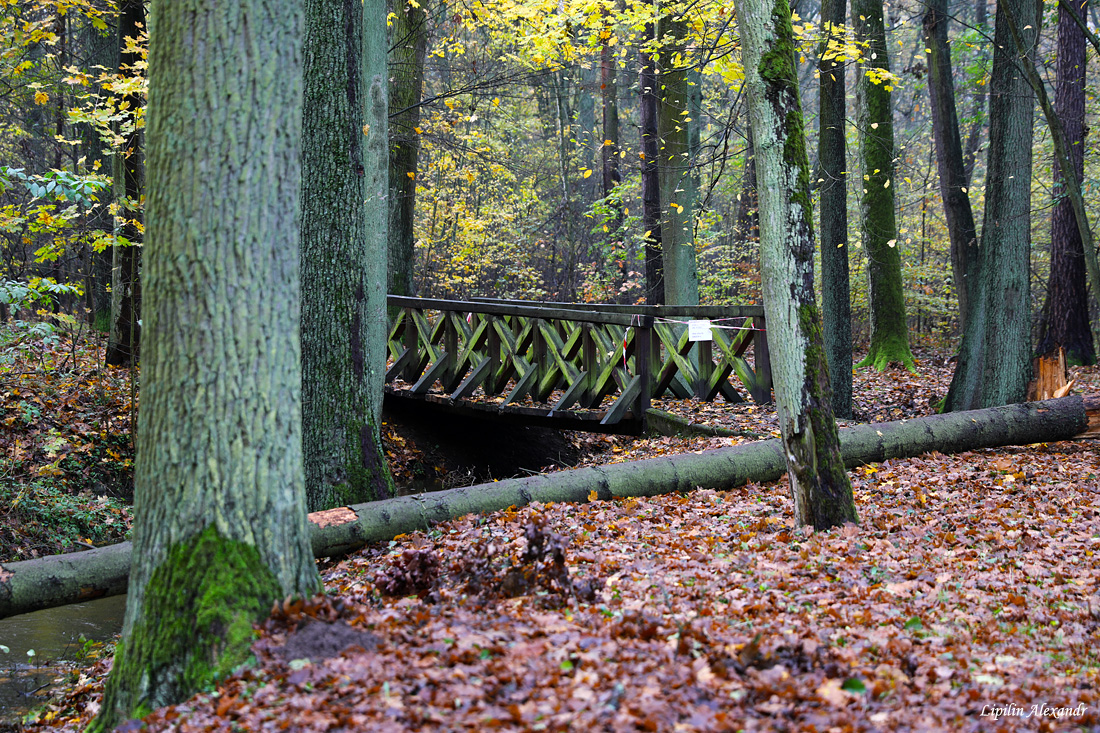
[
  {"x": 493, "y": 346},
  {"x": 589, "y": 364},
  {"x": 704, "y": 354},
  {"x": 645, "y": 355},
  {"x": 450, "y": 351},
  {"x": 763, "y": 392},
  {"x": 410, "y": 338}
]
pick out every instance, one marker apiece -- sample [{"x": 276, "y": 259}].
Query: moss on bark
[
  {"x": 878, "y": 226},
  {"x": 167, "y": 657}
]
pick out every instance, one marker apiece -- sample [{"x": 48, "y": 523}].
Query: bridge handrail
[
  {"x": 504, "y": 308},
  {"x": 657, "y": 311}
]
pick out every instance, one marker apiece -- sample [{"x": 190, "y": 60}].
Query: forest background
[{"x": 528, "y": 163}]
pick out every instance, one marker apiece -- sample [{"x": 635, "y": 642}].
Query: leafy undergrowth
[
  {"x": 66, "y": 455},
  {"x": 970, "y": 586}
]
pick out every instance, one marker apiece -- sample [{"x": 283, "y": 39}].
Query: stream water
[{"x": 54, "y": 637}]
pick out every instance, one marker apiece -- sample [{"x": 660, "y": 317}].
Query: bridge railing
[{"x": 571, "y": 357}]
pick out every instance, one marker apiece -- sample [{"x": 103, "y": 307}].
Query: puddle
[{"x": 54, "y": 636}]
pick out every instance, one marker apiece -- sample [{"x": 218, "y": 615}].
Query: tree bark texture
[
  {"x": 345, "y": 181},
  {"x": 610, "y": 159},
  {"x": 994, "y": 364},
  {"x": 651, "y": 187},
  {"x": 409, "y": 41},
  {"x": 123, "y": 341},
  {"x": 674, "y": 163},
  {"x": 61, "y": 579},
  {"x": 836, "y": 303},
  {"x": 819, "y": 486},
  {"x": 878, "y": 227},
  {"x": 1066, "y": 312},
  {"x": 220, "y": 521},
  {"x": 954, "y": 179}
]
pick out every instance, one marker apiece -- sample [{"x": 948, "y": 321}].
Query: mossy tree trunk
[
  {"x": 220, "y": 528},
  {"x": 345, "y": 182},
  {"x": 954, "y": 179},
  {"x": 674, "y": 163},
  {"x": 122, "y": 343},
  {"x": 409, "y": 41},
  {"x": 819, "y": 484},
  {"x": 836, "y": 300},
  {"x": 994, "y": 364},
  {"x": 878, "y": 226},
  {"x": 1066, "y": 312}
]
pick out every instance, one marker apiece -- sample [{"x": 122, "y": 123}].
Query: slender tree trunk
[
  {"x": 651, "y": 188},
  {"x": 819, "y": 484},
  {"x": 610, "y": 146},
  {"x": 122, "y": 344},
  {"x": 409, "y": 41},
  {"x": 954, "y": 179},
  {"x": 994, "y": 364},
  {"x": 674, "y": 168},
  {"x": 748, "y": 205},
  {"x": 1066, "y": 312},
  {"x": 220, "y": 520},
  {"x": 344, "y": 246},
  {"x": 832, "y": 162},
  {"x": 974, "y": 138},
  {"x": 878, "y": 228}
]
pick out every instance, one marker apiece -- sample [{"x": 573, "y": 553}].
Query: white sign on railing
[{"x": 699, "y": 331}]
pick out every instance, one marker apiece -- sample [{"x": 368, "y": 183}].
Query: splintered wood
[{"x": 1051, "y": 377}]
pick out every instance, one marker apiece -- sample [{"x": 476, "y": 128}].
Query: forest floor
[{"x": 968, "y": 597}]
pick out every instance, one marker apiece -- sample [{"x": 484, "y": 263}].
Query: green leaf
[
  {"x": 854, "y": 684},
  {"x": 914, "y": 624}
]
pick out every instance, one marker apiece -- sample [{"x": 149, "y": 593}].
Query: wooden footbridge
[{"x": 575, "y": 366}]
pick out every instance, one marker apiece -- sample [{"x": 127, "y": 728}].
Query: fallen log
[{"x": 61, "y": 579}]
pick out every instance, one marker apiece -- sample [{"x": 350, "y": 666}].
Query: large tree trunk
[
  {"x": 819, "y": 486},
  {"x": 954, "y": 179},
  {"x": 878, "y": 228},
  {"x": 674, "y": 167},
  {"x": 122, "y": 343},
  {"x": 409, "y": 40},
  {"x": 651, "y": 187},
  {"x": 1066, "y": 313},
  {"x": 220, "y": 519},
  {"x": 994, "y": 364},
  {"x": 344, "y": 245},
  {"x": 60, "y": 579},
  {"x": 832, "y": 162}
]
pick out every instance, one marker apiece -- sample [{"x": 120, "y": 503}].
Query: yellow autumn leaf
[
  {"x": 411, "y": 175},
  {"x": 41, "y": 98},
  {"x": 587, "y": 172}
]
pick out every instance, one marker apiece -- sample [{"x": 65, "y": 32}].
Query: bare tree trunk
[
  {"x": 878, "y": 226},
  {"x": 994, "y": 364},
  {"x": 832, "y": 162},
  {"x": 122, "y": 345},
  {"x": 954, "y": 179},
  {"x": 1066, "y": 312},
  {"x": 220, "y": 518},
  {"x": 409, "y": 41},
  {"x": 819, "y": 485},
  {"x": 651, "y": 189},
  {"x": 674, "y": 168},
  {"x": 345, "y": 179}
]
